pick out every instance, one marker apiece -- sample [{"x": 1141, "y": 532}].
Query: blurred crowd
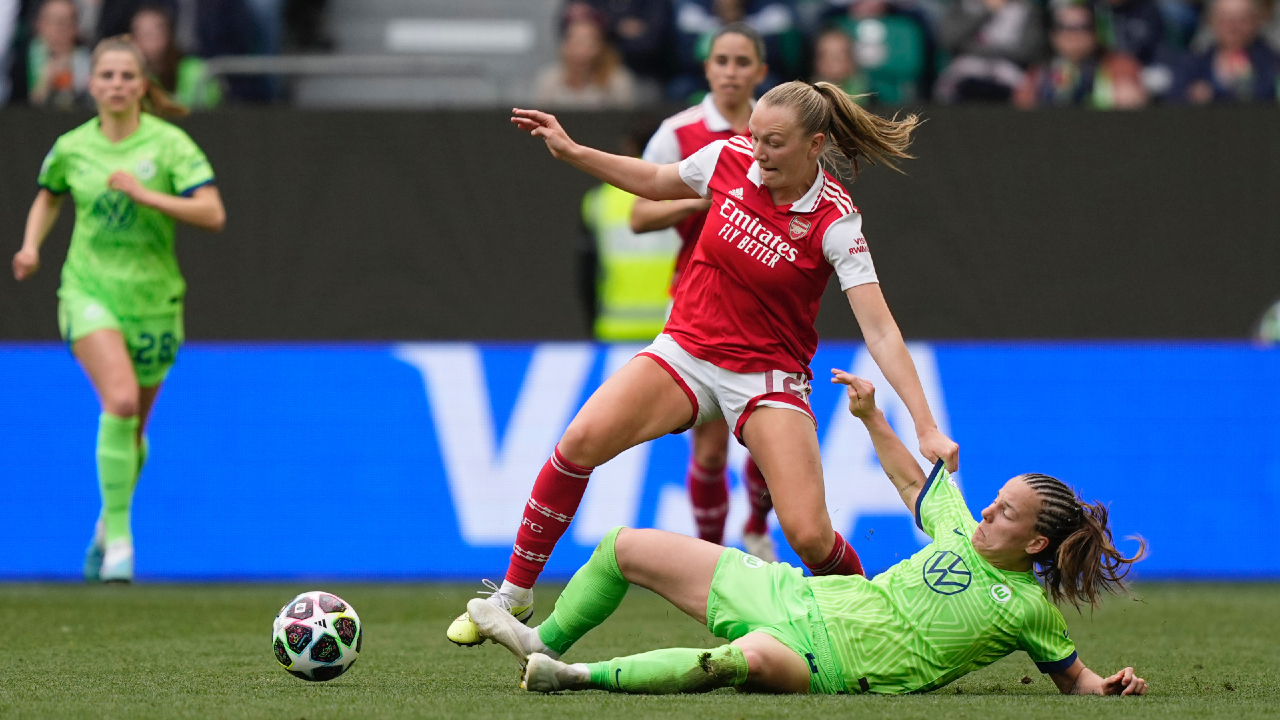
[
  {"x": 623, "y": 53},
  {"x": 45, "y": 45},
  {"x": 1030, "y": 53}
]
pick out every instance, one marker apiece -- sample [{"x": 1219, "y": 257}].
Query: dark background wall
[{"x": 399, "y": 225}]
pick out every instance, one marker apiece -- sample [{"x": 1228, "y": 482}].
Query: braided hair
[{"x": 1081, "y": 559}]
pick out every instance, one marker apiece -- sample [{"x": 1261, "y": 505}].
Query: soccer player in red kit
[
  {"x": 741, "y": 336},
  {"x": 735, "y": 66}
]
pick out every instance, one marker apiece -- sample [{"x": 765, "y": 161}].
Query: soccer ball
[{"x": 317, "y": 636}]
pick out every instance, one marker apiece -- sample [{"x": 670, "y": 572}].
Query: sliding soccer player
[
  {"x": 131, "y": 175},
  {"x": 962, "y": 602}
]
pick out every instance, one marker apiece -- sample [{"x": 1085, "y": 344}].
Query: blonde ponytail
[
  {"x": 851, "y": 131},
  {"x": 157, "y": 100}
]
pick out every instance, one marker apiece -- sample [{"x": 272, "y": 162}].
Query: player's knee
[
  {"x": 756, "y": 670},
  {"x": 585, "y": 445},
  {"x": 121, "y": 401},
  {"x": 812, "y": 545},
  {"x": 711, "y": 456}
]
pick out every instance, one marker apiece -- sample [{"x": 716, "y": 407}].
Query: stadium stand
[{"x": 482, "y": 52}]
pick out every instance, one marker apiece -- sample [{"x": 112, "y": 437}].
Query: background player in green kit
[
  {"x": 131, "y": 175},
  {"x": 962, "y": 602}
]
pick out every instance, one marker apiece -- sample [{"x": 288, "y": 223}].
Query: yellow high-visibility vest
[{"x": 635, "y": 269}]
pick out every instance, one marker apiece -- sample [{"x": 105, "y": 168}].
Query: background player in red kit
[
  {"x": 740, "y": 337},
  {"x": 735, "y": 66}
]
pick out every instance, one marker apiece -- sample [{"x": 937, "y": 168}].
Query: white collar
[
  {"x": 713, "y": 118},
  {"x": 808, "y": 201}
]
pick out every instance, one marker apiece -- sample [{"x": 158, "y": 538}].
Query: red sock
[
  {"x": 843, "y": 560},
  {"x": 555, "y": 498},
  {"x": 709, "y": 495},
  {"x": 761, "y": 500}
]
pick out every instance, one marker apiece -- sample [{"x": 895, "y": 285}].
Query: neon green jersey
[
  {"x": 941, "y": 614},
  {"x": 122, "y": 253}
]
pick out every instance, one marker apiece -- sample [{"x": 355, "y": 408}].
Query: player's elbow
[{"x": 217, "y": 220}]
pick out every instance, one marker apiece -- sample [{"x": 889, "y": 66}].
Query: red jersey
[
  {"x": 750, "y": 294},
  {"x": 680, "y": 136}
]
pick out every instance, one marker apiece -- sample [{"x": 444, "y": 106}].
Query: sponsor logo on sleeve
[
  {"x": 1001, "y": 593},
  {"x": 859, "y": 246}
]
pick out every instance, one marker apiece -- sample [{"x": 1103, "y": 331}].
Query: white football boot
[
  {"x": 93, "y": 554},
  {"x": 760, "y": 545},
  {"x": 500, "y": 626},
  {"x": 117, "y": 562},
  {"x": 515, "y": 601},
  {"x": 545, "y": 674}
]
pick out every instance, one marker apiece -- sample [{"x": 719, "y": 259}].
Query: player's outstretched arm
[
  {"x": 40, "y": 220},
  {"x": 885, "y": 343},
  {"x": 895, "y": 458},
  {"x": 636, "y": 176},
  {"x": 1080, "y": 680}
]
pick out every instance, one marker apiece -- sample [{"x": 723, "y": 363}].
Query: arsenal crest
[{"x": 799, "y": 228}]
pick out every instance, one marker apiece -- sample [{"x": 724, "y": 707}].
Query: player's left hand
[
  {"x": 936, "y": 446},
  {"x": 862, "y": 394},
  {"x": 127, "y": 184},
  {"x": 1125, "y": 682}
]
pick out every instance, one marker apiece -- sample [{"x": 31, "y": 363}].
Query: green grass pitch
[{"x": 203, "y": 651}]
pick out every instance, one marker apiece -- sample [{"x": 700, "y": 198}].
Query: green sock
[
  {"x": 144, "y": 449},
  {"x": 673, "y": 670},
  {"x": 117, "y": 471},
  {"x": 592, "y": 595}
]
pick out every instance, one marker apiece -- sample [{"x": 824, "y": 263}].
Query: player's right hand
[
  {"x": 25, "y": 264},
  {"x": 545, "y": 126},
  {"x": 862, "y": 394},
  {"x": 1125, "y": 682}
]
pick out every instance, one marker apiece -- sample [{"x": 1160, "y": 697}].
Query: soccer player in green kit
[
  {"x": 962, "y": 602},
  {"x": 131, "y": 175}
]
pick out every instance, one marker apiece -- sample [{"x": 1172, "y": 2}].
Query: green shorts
[
  {"x": 750, "y": 595},
  {"x": 152, "y": 340}
]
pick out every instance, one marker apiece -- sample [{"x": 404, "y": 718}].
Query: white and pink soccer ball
[{"x": 317, "y": 636}]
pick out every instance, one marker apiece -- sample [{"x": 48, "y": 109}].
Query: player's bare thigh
[
  {"x": 106, "y": 361},
  {"x": 677, "y": 567},
  {"x": 638, "y": 403},
  {"x": 784, "y": 443}
]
